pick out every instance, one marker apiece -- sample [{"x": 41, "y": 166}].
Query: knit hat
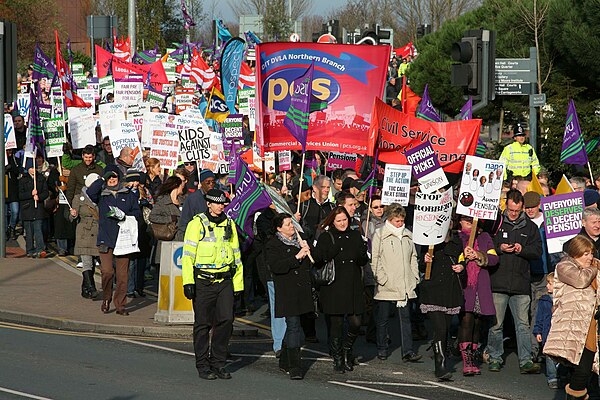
[
  {"x": 531, "y": 199},
  {"x": 133, "y": 175},
  {"x": 113, "y": 168},
  {"x": 590, "y": 197},
  {"x": 205, "y": 174},
  {"x": 347, "y": 183},
  {"x": 305, "y": 188},
  {"x": 91, "y": 178},
  {"x": 216, "y": 196}
]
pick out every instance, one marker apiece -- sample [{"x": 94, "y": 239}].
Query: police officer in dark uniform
[{"x": 212, "y": 271}]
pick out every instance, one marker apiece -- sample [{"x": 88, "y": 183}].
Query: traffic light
[
  {"x": 475, "y": 55},
  {"x": 467, "y": 53},
  {"x": 9, "y": 55},
  {"x": 384, "y": 35},
  {"x": 422, "y": 30}
]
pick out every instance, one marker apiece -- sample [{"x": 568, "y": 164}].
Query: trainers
[
  {"x": 529, "y": 368},
  {"x": 494, "y": 366},
  {"x": 553, "y": 384},
  {"x": 411, "y": 357}
]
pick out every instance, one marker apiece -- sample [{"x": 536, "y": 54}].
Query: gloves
[
  {"x": 116, "y": 213},
  {"x": 189, "y": 291}
]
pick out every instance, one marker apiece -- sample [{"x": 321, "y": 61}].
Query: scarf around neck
[
  {"x": 287, "y": 241},
  {"x": 398, "y": 232}
]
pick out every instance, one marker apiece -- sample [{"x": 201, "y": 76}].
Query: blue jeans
[
  {"x": 278, "y": 325},
  {"x": 34, "y": 237},
  {"x": 293, "y": 332},
  {"x": 550, "y": 369},
  {"x": 519, "y": 307},
  {"x": 12, "y": 217},
  {"x": 382, "y": 317}
]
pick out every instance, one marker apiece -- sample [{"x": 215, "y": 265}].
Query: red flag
[
  {"x": 200, "y": 72},
  {"x": 247, "y": 77},
  {"x": 122, "y": 48},
  {"x": 405, "y": 51},
  {"x": 62, "y": 69},
  {"x": 103, "y": 60}
]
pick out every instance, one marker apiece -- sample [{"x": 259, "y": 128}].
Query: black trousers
[{"x": 213, "y": 309}]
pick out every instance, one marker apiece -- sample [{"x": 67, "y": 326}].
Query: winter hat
[
  {"x": 305, "y": 188},
  {"x": 205, "y": 174},
  {"x": 113, "y": 168},
  {"x": 347, "y": 183},
  {"x": 590, "y": 197},
  {"x": 216, "y": 196},
  {"x": 91, "y": 178},
  {"x": 133, "y": 175},
  {"x": 531, "y": 199}
]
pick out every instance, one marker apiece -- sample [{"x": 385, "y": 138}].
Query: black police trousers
[{"x": 213, "y": 309}]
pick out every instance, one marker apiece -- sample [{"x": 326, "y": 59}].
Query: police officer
[
  {"x": 212, "y": 271},
  {"x": 520, "y": 157}
]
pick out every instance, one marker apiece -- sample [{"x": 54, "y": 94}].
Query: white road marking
[
  {"x": 154, "y": 346},
  {"x": 463, "y": 390},
  {"x": 23, "y": 394},
  {"x": 404, "y": 396},
  {"x": 392, "y": 384}
]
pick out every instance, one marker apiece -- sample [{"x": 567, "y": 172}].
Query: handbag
[
  {"x": 325, "y": 275},
  {"x": 164, "y": 232}
]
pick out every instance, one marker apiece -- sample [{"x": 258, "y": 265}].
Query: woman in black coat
[
  {"x": 288, "y": 261},
  {"x": 441, "y": 296},
  {"x": 33, "y": 212},
  {"x": 345, "y": 295}
]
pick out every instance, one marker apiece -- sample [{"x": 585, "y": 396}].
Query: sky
[{"x": 320, "y": 7}]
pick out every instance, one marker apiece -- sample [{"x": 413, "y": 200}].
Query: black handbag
[{"x": 324, "y": 275}]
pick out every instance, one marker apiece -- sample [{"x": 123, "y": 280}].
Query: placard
[
  {"x": 24, "y": 104},
  {"x": 432, "y": 217},
  {"x": 232, "y": 127},
  {"x": 480, "y": 188},
  {"x": 396, "y": 184},
  {"x": 106, "y": 85},
  {"x": 285, "y": 160},
  {"x": 10, "y": 139},
  {"x": 151, "y": 121},
  {"x": 341, "y": 160},
  {"x": 57, "y": 101},
  {"x": 82, "y": 127},
  {"x": 216, "y": 161},
  {"x": 563, "y": 214},
  {"x": 194, "y": 138},
  {"x": 54, "y": 132},
  {"x": 243, "y": 103},
  {"x": 165, "y": 147},
  {"x": 110, "y": 112},
  {"x": 123, "y": 134},
  {"x": 127, "y": 92},
  {"x": 426, "y": 167},
  {"x": 270, "y": 162},
  {"x": 183, "y": 99}
]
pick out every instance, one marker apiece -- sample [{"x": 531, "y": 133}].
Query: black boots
[
  {"x": 284, "y": 364},
  {"x": 88, "y": 286},
  {"x": 295, "y": 363},
  {"x": 347, "y": 347},
  {"x": 335, "y": 348},
  {"x": 439, "y": 359}
]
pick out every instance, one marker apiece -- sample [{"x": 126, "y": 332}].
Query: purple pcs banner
[{"x": 562, "y": 218}]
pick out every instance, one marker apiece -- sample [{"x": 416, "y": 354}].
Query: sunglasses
[
  {"x": 189, "y": 163},
  {"x": 376, "y": 207}
]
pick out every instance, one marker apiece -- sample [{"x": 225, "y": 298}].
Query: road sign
[
  {"x": 512, "y": 89},
  {"x": 515, "y": 76},
  {"x": 537, "y": 100},
  {"x": 513, "y": 64}
]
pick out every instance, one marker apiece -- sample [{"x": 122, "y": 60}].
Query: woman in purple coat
[{"x": 477, "y": 291}]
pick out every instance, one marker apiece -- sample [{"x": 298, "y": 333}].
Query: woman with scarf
[
  {"x": 288, "y": 261},
  {"x": 110, "y": 196},
  {"x": 477, "y": 291},
  {"x": 396, "y": 271}
]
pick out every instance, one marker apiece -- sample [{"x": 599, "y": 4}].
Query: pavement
[{"x": 47, "y": 293}]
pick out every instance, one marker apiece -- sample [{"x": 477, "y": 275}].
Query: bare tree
[{"x": 276, "y": 13}]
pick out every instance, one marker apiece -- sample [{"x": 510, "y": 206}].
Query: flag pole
[
  {"x": 368, "y": 215},
  {"x": 299, "y": 241},
  {"x": 590, "y": 169},
  {"x": 301, "y": 180}
]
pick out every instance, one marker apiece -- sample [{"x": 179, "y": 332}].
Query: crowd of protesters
[{"x": 80, "y": 202}]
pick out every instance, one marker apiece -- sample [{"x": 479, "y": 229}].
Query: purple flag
[
  {"x": 426, "y": 110},
  {"x": 466, "y": 112},
  {"x": 250, "y": 197},
  {"x": 34, "y": 128},
  {"x": 187, "y": 18},
  {"x": 302, "y": 104},
  {"x": 573, "y": 147},
  {"x": 43, "y": 67}
]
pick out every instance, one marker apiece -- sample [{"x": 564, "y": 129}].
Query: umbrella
[{"x": 281, "y": 206}]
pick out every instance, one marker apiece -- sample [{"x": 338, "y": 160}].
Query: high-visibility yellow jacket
[
  {"x": 206, "y": 250},
  {"x": 518, "y": 159}
]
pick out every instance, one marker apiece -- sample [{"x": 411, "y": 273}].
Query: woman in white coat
[{"x": 396, "y": 271}]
